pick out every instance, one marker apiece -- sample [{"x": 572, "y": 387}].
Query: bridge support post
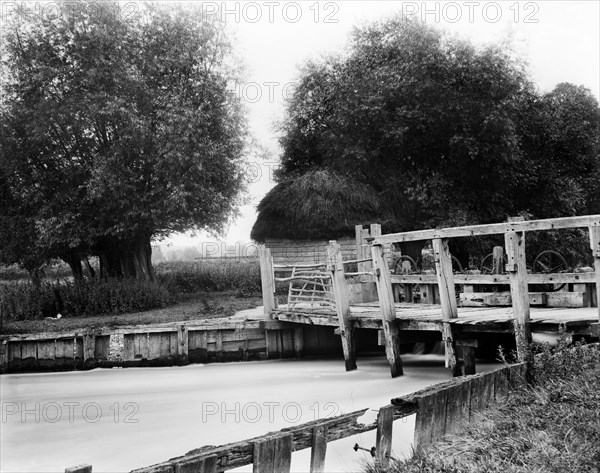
[
  {"x": 445, "y": 277},
  {"x": 388, "y": 310},
  {"x": 342, "y": 303},
  {"x": 595, "y": 244},
  {"x": 267, "y": 279},
  {"x": 517, "y": 271}
]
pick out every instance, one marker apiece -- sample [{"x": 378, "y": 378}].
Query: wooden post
[
  {"x": 595, "y": 244},
  {"x": 468, "y": 349},
  {"x": 385, "y": 420},
  {"x": 267, "y": 279},
  {"x": 273, "y": 454},
  {"x": 298, "y": 341},
  {"x": 388, "y": 310},
  {"x": 360, "y": 247},
  {"x": 342, "y": 303},
  {"x": 197, "y": 465},
  {"x": 517, "y": 271},
  {"x": 4, "y": 355},
  {"x": 182, "y": 340},
  {"x": 445, "y": 276},
  {"x": 498, "y": 257},
  {"x": 84, "y": 468},
  {"x": 318, "y": 449}
]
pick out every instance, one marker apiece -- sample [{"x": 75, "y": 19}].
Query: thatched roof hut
[{"x": 320, "y": 204}]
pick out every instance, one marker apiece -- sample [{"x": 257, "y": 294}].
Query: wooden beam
[
  {"x": 491, "y": 229},
  {"x": 517, "y": 269},
  {"x": 388, "y": 310},
  {"x": 267, "y": 279},
  {"x": 84, "y": 468},
  {"x": 445, "y": 276},
  {"x": 489, "y": 279},
  {"x": 342, "y": 303},
  {"x": 595, "y": 244}
]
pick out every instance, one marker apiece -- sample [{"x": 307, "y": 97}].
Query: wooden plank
[
  {"x": 491, "y": 279},
  {"x": 101, "y": 346},
  {"x": 318, "y": 449},
  {"x": 385, "y": 421},
  {"x": 540, "y": 299},
  {"x": 443, "y": 268},
  {"x": 29, "y": 350},
  {"x": 430, "y": 424},
  {"x": 491, "y": 229},
  {"x": 500, "y": 383},
  {"x": 284, "y": 445},
  {"x": 517, "y": 269},
  {"x": 267, "y": 279},
  {"x": 457, "y": 406},
  {"x": 595, "y": 246},
  {"x": 65, "y": 348},
  {"x": 342, "y": 304},
  {"x": 197, "y": 465},
  {"x": 273, "y": 454},
  {"x": 83, "y": 468},
  {"x": 89, "y": 347},
  {"x": 298, "y": 341},
  {"x": 388, "y": 310}
]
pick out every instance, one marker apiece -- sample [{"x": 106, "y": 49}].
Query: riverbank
[
  {"x": 552, "y": 426},
  {"x": 200, "y": 306}
]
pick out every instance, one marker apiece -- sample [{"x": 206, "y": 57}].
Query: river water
[{"x": 121, "y": 419}]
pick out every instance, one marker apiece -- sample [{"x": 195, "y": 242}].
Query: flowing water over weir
[{"x": 121, "y": 419}]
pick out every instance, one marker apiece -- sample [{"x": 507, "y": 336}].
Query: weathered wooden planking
[
  {"x": 197, "y": 465},
  {"x": 84, "y": 468},
  {"x": 318, "y": 449},
  {"x": 242, "y": 453},
  {"x": 102, "y": 347},
  {"x": 65, "y": 348},
  {"x": 161, "y": 345},
  {"x": 497, "y": 279},
  {"x": 457, "y": 407},
  {"x": 135, "y": 346},
  {"x": 549, "y": 299},
  {"x": 430, "y": 424}
]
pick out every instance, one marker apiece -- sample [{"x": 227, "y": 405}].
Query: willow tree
[{"x": 136, "y": 133}]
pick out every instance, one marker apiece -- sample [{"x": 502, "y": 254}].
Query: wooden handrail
[{"x": 490, "y": 229}]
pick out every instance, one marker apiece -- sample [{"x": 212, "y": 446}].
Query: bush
[
  {"x": 25, "y": 301},
  {"x": 221, "y": 275}
]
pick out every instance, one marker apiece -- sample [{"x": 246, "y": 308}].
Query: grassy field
[
  {"x": 553, "y": 426},
  {"x": 183, "y": 291}
]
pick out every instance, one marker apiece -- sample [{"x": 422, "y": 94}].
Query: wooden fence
[
  {"x": 440, "y": 410},
  {"x": 176, "y": 344}
]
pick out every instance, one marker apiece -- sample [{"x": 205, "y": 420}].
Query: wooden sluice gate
[{"x": 460, "y": 317}]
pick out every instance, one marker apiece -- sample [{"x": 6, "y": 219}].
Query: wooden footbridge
[{"x": 319, "y": 294}]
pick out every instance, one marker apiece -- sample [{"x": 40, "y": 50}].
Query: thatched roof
[{"x": 317, "y": 205}]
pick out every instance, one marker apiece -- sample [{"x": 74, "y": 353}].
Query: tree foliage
[
  {"x": 118, "y": 130},
  {"x": 444, "y": 132}
]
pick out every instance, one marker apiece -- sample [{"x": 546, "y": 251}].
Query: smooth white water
[{"x": 121, "y": 419}]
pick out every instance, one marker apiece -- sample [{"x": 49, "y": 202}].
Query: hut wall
[{"x": 308, "y": 251}]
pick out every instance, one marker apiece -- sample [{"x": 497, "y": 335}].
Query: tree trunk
[
  {"x": 36, "y": 275},
  {"x": 129, "y": 260},
  {"x": 74, "y": 262}
]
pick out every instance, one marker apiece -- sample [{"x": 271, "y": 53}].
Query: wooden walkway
[{"x": 428, "y": 317}]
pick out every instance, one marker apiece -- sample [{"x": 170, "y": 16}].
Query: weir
[{"x": 321, "y": 295}]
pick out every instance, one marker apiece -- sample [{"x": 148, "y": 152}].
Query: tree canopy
[
  {"x": 443, "y": 132},
  {"x": 116, "y": 131}
]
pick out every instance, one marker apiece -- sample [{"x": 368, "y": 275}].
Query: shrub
[
  {"x": 23, "y": 301},
  {"x": 220, "y": 275}
]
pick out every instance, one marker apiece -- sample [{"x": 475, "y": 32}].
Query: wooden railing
[
  {"x": 441, "y": 409},
  {"x": 518, "y": 278}
]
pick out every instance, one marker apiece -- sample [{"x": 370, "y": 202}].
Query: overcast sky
[{"x": 559, "y": 39}]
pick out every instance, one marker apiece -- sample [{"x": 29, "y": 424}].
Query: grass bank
[{"x": 553, "y": 426}]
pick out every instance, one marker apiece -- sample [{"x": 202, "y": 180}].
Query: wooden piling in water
[
  {"x": 445, "y": 276},
  {"x": 267, "y": 279},
  {"x": 342, "y": 303},
  {"x": 388, "y": 310}
]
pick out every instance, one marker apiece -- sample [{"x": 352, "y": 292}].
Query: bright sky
[{"x": 559, "y": 39}]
